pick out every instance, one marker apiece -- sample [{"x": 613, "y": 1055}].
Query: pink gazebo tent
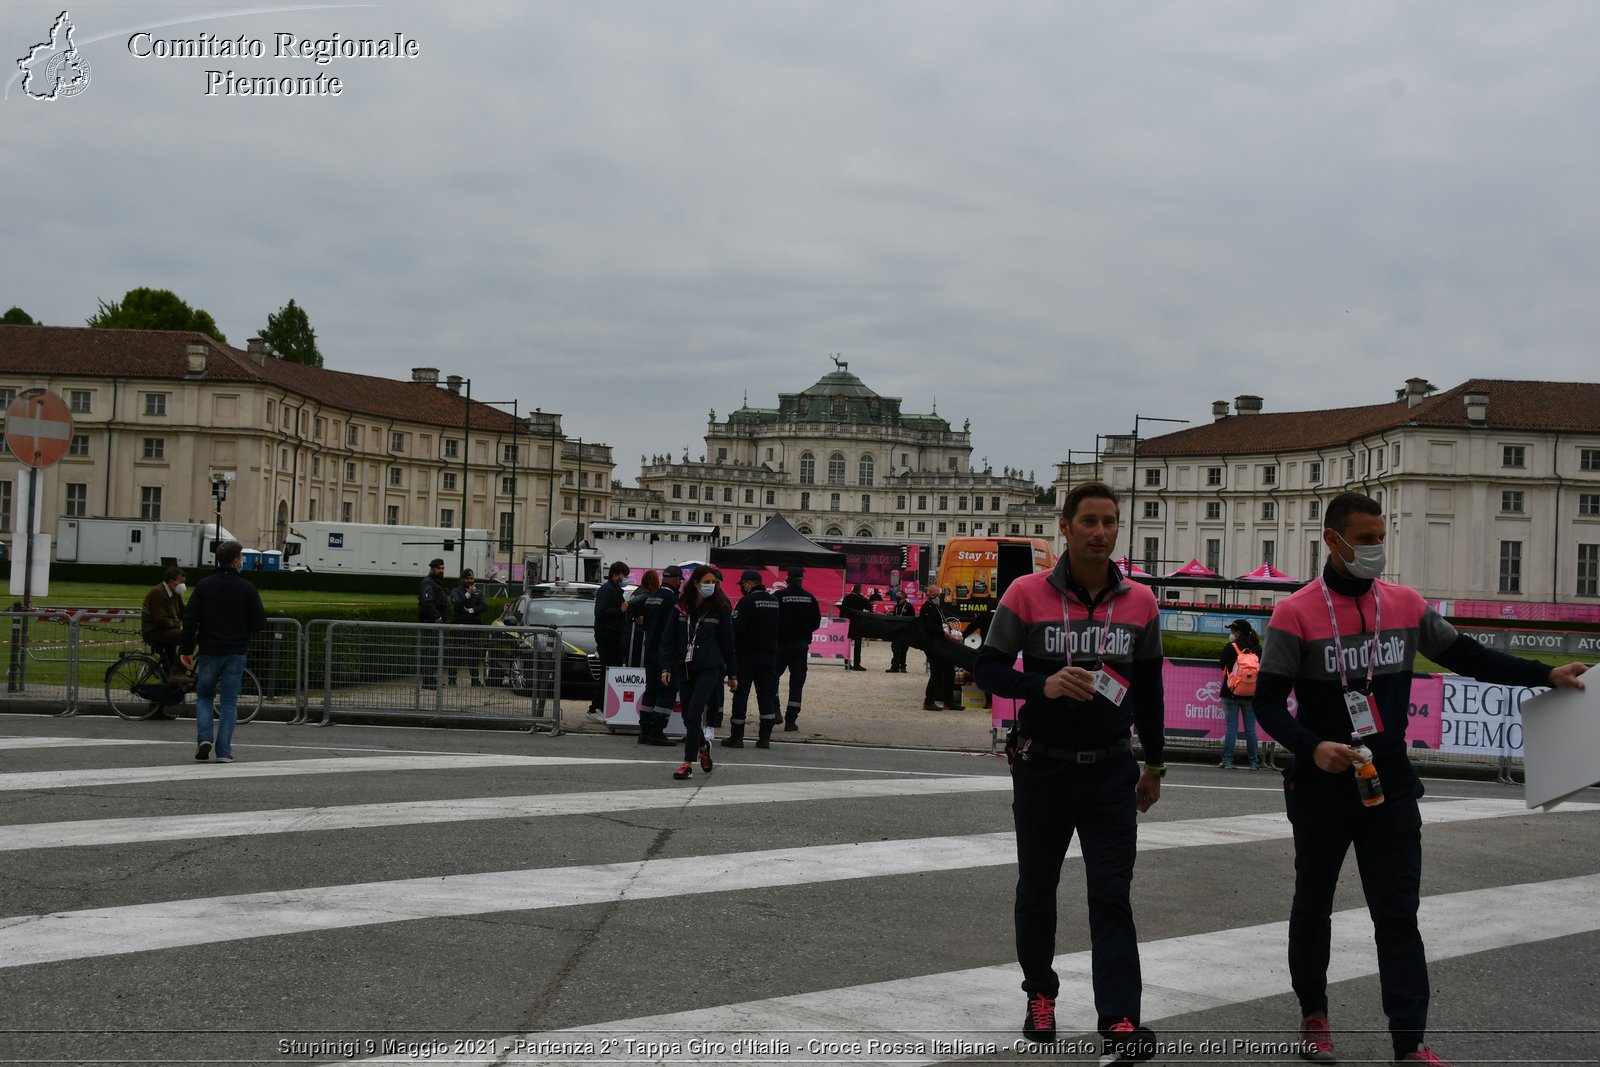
[
  {"x": 1131, "y": 569},
  {"x": 1194, "y": 569},
  {"x": 1268, "y": 573}
]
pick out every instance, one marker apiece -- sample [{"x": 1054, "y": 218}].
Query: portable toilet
[
  {"x": 252, "y": 560},
  {"x": 272, "y": 560}
]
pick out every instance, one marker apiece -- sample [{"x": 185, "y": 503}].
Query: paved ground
[{"x": 471, "y": 896}]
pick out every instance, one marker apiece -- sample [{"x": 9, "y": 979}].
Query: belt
[{"x": 1074, "y": 755}]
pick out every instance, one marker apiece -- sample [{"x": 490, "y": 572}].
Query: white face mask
[
  {"x": 1369, "y": 560},
  {"x": 180, "y": 589},
  {"x": 708, "y": 590}
]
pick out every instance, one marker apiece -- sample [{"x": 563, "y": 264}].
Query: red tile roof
[
  {"x": 162, "y": 355},
  {"x": 1569, "y": 407}
]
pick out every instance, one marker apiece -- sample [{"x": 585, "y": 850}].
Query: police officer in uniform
[
  {"x": 798, "y": 618},
  {"x": 656, "y": 704},
  {"x": 610, "y": 624},
  {"x": 755, "y": 642},
  {"x": 433, "y": 607}
]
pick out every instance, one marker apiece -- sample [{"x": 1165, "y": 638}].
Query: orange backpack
[{"x": 1242, "y": 678}]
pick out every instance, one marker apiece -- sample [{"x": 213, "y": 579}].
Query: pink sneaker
[{"x": 1316, "y": 1039}]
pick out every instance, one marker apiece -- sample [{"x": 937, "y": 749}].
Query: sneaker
[
  {"x": 1255, "y": 765},
  {"x": 224, "y": 759},
  {"x": 595, "y": 715},
  {"x": 1039, "y": 1023},
  {"x": 1226, "y": 764},
  {"x": 1316, "y": 1039},
  {"x": 705, "y": 756},
  {"x": 1126, "y": 1043},
  {"x": 928, "y": 705},
  {"x": 203, "y": 751},
  {"x": 1423, "y": 1054},
  {"x": 684, "y": 772}
]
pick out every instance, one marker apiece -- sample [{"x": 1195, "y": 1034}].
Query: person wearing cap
[
  {"x": 433, "y": 608},
  {"x": 851, "y": 606},
  {"x": 660, "y": 696},
  {"x": 469, "y": 608},
  {"x": 755, "y": 646},
  {"x": 1234, "y": 706},
  {"x": 798, "y": 618},
  {"x": 610, "y": 620}
]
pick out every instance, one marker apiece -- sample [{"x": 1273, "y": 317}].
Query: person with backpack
[{"x": 1241, "y": 662}]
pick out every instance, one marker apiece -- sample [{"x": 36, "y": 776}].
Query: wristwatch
[{"x": 1157, "y": 769}]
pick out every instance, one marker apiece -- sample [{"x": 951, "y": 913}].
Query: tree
[
  {"x": 1043, "y": 495},
  {"x": 154, "y": 309},
  {"x": 17, "y": 317},
  {"x": 289, "y": 336}
]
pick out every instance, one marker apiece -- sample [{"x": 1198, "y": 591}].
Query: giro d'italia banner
[{"x": 1448, "y": 713}]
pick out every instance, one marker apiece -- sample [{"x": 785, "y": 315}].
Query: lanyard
[
  {"x": 1338, "y": 647},
  {"x": 1066, "y": 626}
]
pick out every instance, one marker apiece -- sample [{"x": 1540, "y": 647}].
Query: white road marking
[
  {"x": 73, "y": 742},
  {"x": 85, "y": 832},
  {"x": 983, "y": 1005},
  {"x": 29, "y": 939}
]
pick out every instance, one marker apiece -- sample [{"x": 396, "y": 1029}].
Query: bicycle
[{"x": 137, "y": 688}]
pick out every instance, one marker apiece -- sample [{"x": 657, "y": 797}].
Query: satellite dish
[{"x": 563, "y": 532}]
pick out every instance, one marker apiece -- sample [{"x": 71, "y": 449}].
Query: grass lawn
[{"x": 96, "y": 595}]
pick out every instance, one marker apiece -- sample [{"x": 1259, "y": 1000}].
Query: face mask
[
  {"x": 708, "y": 590},
  {"x": 181, "y": 588},
  {"x": 1369, "y": 560}
]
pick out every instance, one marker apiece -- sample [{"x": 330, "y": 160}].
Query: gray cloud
[{"x": 1049, "y": 216}]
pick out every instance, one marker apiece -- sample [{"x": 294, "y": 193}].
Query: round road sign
[{"x": 38, "y": 428}]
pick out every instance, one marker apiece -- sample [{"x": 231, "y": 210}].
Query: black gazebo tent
[{"x": 777, "y": 544}]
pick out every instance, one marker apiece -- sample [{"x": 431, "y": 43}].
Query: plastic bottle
[{"x": 1367, "y": 784}]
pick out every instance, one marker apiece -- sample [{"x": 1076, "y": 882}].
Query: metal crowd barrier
[{"x": 439, "y": 672}]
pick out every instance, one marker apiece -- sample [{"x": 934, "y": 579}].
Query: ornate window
[
  {"x": 808, "y": 469},
  {"x": 836, "y": 469},
  {"x": 865, "y": 470}
]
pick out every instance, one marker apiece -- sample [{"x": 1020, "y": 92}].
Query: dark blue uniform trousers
[
  {"x": 1050, "y": 800},
  {"x": 760, "y": 675},
  {"x": 1388, "y": 843},
  {"x": 796, "y": 660}
]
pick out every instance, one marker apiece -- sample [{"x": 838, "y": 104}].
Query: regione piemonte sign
[{"x": 38, "y": 428}]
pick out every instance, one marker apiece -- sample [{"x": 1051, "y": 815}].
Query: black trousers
[
  {"x": 897, "y": 654},
  {"x": 1050, "y": 800},
  {"x": 855, "y": 645},
  {"x": 658, "y": 698},
  {"x": 796, "y": 660},
  {"x": 1388, "y": 844},
  {"x": 698, "y": 689},
  {"x": 941, "y": 682},
  {"x": 609, "y": 647},
  {"x": 761, "y": 676}
]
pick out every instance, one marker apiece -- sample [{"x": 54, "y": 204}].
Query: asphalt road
[{"x": 465, "y": 896}]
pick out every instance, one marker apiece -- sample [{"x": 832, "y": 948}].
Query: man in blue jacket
[
  {"x": 225, "y": 610},
  {"x": 798, "y": 618},
  {"x": 755, "y": 642}
]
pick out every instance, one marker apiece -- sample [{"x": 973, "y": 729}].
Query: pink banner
[
  {"x": 1194, "y": 705},
  {"x": 1496, "y": 609}
]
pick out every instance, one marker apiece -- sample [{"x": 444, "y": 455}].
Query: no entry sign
[{"x": 38, "y": 428}]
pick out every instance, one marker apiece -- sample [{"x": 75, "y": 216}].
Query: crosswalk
[{"x": 561, "y": 902}]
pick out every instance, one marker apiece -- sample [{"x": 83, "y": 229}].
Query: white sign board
[
  {"x": 1561, "y": 744},
  {"x": 624, "y": 687},
  {"x": 41, "y": 564}
]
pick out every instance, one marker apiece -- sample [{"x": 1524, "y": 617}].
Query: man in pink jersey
[
  {"x": 1090, "y": 644},
  {"x": 1345, "y": 645}
]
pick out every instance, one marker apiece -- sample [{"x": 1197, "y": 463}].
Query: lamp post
[
  {"x": 1133, "y": 491},
  {"x": 219, "y": 489}
]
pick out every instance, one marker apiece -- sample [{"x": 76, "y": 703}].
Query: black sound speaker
[{"x": 1016, "y": 560}]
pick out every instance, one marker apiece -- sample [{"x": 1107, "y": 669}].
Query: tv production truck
[
  {"x": 135, "y": 541},
  {"x": 377, "y": 548}
]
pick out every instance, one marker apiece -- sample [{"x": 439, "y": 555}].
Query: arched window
[
  {"x": 803, "y": 529},
  {"x": 864, "y": 532},
  {"x": 834, "y": 531},
  {"x": 865, "y": 470},
  {"x": 808, "y": 469},
  {"x": 836, "y": 469}
]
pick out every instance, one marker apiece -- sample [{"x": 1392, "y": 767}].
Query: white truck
[
  {"x": 135, "y": 541},
  {"x": 377, "y": 548}
]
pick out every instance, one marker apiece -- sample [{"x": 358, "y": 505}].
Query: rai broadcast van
[{"x": 972, "y": 570}]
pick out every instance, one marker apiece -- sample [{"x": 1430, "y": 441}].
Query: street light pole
[{"x": 1133, "y": 491}]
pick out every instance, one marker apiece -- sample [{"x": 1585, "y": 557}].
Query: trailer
[
  {"x": 378, "y": 548},
  {"x": 137, "y": 542}
]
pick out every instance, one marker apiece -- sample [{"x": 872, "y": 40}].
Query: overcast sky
[{"x": 1049, "y": 216}]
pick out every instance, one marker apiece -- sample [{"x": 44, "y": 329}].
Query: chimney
[
  {"x": 1219, "y": 410},
  {"x": 1416, "y": 391},
  {"x": 257, "y": 350},
  {"x": 1477, "y": 409},
  {"x": 453, "y": 383},
  {"x": 1247, "y": 405},
  {"x": 196, "y": 351},
  {"x": 425, "y": 375}
]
